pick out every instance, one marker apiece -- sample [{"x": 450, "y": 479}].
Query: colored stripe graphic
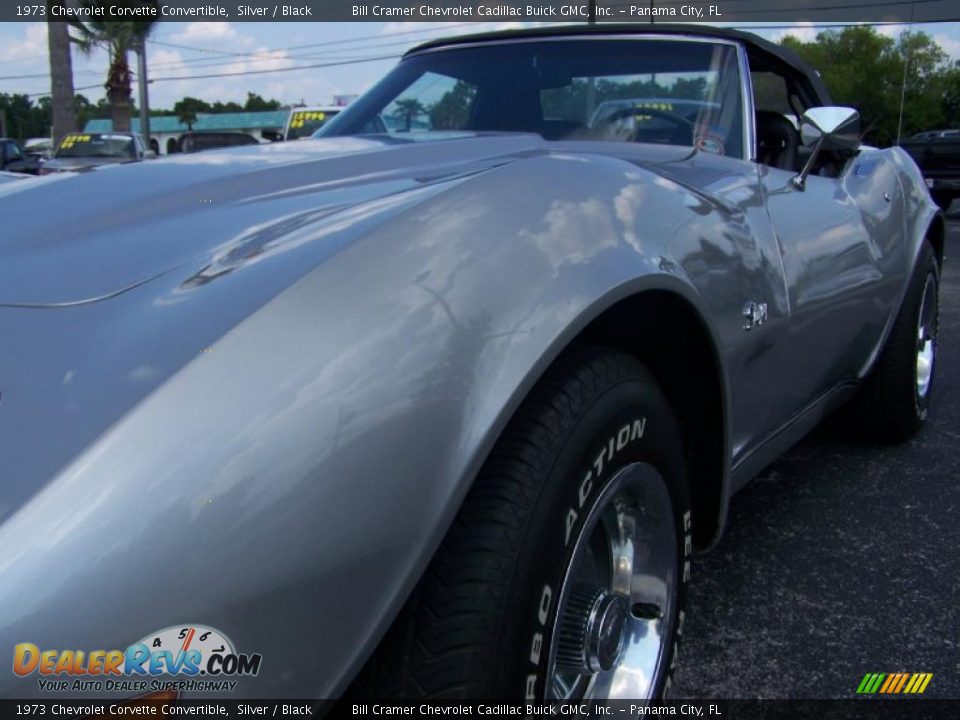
[
  {"x": 871, "y": 683},
  {"x": 918, "y": 683},
  {"x": 903, "y": 680},
  {"x": 894, "y": 683}
]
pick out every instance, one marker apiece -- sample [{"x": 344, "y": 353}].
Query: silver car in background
[
  {"x": 84, "y": 151},
  {"x": 443, "y": 410}
]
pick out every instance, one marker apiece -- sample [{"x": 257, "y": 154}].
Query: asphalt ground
[{"x": 840, "y": 559}]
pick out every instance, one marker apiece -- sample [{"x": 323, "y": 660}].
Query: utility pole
[
  {"x": 63, "y": 102},
  {"x": 142, "y": 84}
]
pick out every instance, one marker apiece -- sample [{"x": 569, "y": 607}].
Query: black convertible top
[{"x": 757, "y": 47}]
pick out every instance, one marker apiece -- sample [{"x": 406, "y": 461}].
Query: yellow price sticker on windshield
[
  {"x": 653, "y": 106},
  {"x": 73, "y": 139},
  {"x": 300, "y": 118}
]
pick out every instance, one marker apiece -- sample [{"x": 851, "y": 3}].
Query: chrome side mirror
[{"x": 827, "y": 128}]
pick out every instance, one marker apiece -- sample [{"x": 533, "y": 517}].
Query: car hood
[{"x": 113, "y": 231}]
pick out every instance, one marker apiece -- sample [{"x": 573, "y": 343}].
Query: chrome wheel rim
[
  {"x": 618, "y": 602},
  {"x": 926, "y": 337}
]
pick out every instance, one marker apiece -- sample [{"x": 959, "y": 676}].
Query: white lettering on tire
[
  {"x": 536, "y": 647},
  {"x": 628, "y": 433},
  {"x": 545, "y": 598}
]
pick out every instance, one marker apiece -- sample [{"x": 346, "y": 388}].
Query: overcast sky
[{"x": 207, "y": 48}]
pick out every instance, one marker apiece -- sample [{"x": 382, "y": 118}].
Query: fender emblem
[{"x": 754, "y": 313}]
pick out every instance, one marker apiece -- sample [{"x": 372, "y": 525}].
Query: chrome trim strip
[
  {"x": 455, "y": 45},
  {"x": 749, "y": 117}
]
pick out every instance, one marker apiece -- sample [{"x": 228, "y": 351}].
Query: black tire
[
  {"x": 890, "y": 407},
  {"x": 473, "y": 626},
  {"x": 942, "y": 198}
]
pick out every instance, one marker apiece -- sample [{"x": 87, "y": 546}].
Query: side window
[
  {"x": 432, "y": 102},
  {"x": 13, "y": 152},
  {"x": 776, "y": 120},
  {"x": 671, "y": 97},
  {"x": 770, "y": 93}
]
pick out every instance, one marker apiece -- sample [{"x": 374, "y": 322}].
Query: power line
[
  {"x": 264, "y": 55},
  {"x": 276, "y": 70},
  {"x": 24, "y": 59},
  {"x": 45, "y": 75},
  {"x": 354, "y": 61},
  {"x": 44, "y": 93},
  {"x": 258, "y": 56},
  {"x": 267, "y": 55},
  {"x": 320, "y": 44}
]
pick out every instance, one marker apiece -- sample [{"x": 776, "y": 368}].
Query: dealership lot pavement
[{"x": 840, "y": 559}]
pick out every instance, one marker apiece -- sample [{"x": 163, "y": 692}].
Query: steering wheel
[{"x": 684, "y": 127}]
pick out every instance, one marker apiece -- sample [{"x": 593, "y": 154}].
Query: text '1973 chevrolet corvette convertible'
[{"x": 440, "y": 402}]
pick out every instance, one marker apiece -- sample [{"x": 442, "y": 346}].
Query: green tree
[
  {"x": 24, "y": 119},
  {"x": 950, "y": 102},
  {"x": 865, "y": 70},
  {"x": 407, "y": 109},
  {"x": 226, "y": 107},
  {"x": 118, "y": 38},
  {"x": 188, "y": 109},
  {"x": 255, "y": 103},
  {"x": 452, "y": 111}
]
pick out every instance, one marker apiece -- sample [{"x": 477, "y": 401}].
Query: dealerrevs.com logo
[{"x": 191, "y": 651}]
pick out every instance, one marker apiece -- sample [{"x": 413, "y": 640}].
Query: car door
[{"x": 836, "y": 238}]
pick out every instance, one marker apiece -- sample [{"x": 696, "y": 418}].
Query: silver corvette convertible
[{"x": 440, "y": 403}]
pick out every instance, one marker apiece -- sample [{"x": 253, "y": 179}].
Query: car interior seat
[{"x": 777, "y": 140}]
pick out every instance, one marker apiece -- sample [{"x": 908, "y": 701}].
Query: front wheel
[{"x": 565, "y": 573}]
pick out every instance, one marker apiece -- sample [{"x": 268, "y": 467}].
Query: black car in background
[
  {"x": 192, "y": 142},
  {"x": 13, "y": 158},
  {"x": 937, "y": 153}
]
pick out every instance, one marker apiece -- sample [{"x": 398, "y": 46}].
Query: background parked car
[
  {"x": 937, "y": 152},
  {"x": 934, "y": 134},
  {"x": 14, "y": 158},
  {"x": 41, "y": 148},
  {"x": 83, "y": 151},
  {"x": 197, "y": 141}
]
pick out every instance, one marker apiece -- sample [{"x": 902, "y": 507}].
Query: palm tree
[
  {"x": 61, "y": 81},
  {"x": 118, "y": 39},
  {"x": 406, "y": 110},
  {"x": 188, "y": 109}
]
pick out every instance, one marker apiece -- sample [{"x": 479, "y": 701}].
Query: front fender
[{"x": 289, "y": 484}]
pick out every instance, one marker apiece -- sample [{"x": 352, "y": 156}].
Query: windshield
[
  {"x": 97, "y": 145},
  {"x": 670, "y": 91},
  {"x": 304, "y": 123}
]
